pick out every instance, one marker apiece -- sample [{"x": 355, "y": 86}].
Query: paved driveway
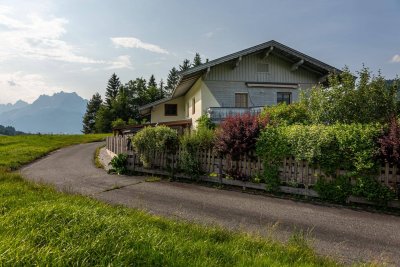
[{"x": 345, "y": 234}]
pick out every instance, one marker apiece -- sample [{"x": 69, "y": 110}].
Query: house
[{"x": 244, "y": 81}]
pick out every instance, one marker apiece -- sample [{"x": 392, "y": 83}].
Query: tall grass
[{"x": 40, "y": 226}]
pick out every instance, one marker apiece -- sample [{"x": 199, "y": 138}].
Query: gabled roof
[{"x": 190, "y": 76}]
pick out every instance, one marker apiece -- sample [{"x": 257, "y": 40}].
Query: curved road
[{"x": 345, "y": 234}]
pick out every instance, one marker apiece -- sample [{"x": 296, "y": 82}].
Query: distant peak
[{"x": 21, "y": 102}]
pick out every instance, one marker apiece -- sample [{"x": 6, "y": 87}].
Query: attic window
[{"x": 262, "y": 67}]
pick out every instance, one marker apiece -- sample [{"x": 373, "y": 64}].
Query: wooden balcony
[{"x": 218, "y": 114}]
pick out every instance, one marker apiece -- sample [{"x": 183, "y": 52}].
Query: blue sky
[{"x": 71, "y": 45}]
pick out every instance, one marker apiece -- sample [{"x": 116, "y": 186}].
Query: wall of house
[
  {"x": 224, "y": 93},
  {"x": 223, "y": 81},
  {"x": 194, "y": 93},
  {"x": 207, "y": 98},
  {"x": 158, "y": 112}
]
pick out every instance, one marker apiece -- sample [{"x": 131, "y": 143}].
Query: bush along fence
[{"x": 295, "y": 176}]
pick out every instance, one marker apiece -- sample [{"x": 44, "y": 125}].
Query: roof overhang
[{"x": 146, "y": 109}]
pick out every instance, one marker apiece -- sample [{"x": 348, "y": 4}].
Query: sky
[{"x": 76, "y": 45}]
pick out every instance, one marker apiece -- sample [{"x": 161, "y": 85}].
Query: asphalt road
[{"x": 347, "y": 235}]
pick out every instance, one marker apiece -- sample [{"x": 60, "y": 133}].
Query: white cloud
[
  {"x": 18, "y": 85},
  {"x": 395, "y": 58},
  {"x": 213, "y": 32},
  {"x": 36, "y": 37},
  {"x": 131, "y": 42},
  {"x": 120, "y": 62}
]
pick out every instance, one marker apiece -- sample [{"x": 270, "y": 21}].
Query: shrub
[
  {"x": 309, "y": 142},
  {"x": 389, "y": 143},
  {"x": 151, "y": 140},
  {"x": 204, "y": 122},
  {"x": 132, "y": 122},
  {"x": 192, "y": 143},
  {"x": 373, "y": 190},
  {"x": 237, "y": 137},
  {"x": 344, "y": 101},
  {"x": 271, "y": 177},
  {"x": 119, "y": 164},
  {"x": 284, "y": 114},
  {"x": 118, "y": 123},
  {"x": 337, "y": 190},
  {"x": 272, "y": 145},
  {"x": 357, "y": 146}
]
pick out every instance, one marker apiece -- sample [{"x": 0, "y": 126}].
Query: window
[
  {"x": 241, "y": 100},
  {"x": 193, "y": 105},
  {"x": 187, "y": 109},
  {"x": 171, "y": 110},
  {"x": 283, "y": 97}
]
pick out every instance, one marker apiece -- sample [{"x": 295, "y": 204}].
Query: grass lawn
[
  {"x": 18, "y": 150},
  {"x": 39, "y": 226}
]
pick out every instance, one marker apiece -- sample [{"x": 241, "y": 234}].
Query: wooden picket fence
[{"x": 291, "y": 171}]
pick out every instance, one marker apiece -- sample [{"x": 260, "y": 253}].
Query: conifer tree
[
  {"x": 185, "y": 65},
  {"x": 112, "y": 89},
  {"x": 197, "y": 60},
  {"x": 172, "y": 80},
  {"x": 103, "y": 120},
  {"x": 161, "y": 88},
  {"x": 152, "y": 81},
  {"x": 89, "y": 118}
]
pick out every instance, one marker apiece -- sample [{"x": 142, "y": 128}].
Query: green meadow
[{"x": 43, "y": 227}]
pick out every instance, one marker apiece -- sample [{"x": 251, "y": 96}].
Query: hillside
[{"x": 59, "y": 113}]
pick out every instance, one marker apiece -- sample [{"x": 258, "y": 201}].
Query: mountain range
[{"x": 59, "y": 113}]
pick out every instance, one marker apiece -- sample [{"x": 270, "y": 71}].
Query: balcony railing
[{"x": 218, "y": 114}]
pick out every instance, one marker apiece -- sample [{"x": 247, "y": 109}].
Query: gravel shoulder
[{"x": 347, "y": 235}]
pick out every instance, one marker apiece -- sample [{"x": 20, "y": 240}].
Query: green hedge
[
  {"x": 352, "y": 147},
  {"x": 348, "y": 146}
]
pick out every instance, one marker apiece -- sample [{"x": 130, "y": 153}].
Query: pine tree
[
  {"x": 197, "y": 60},
  {"x": 112, "y": 90},
  {"x": 153, "y": 94},
  {"x": 103, "y": 120},
  {"x": 89, "y": 118},
  {"x": 121, "y": 106},
  {"x": 185, "y": 65},
  {"x": 152, "y": 81},
  {"x": 161, "y": 88},
  {"x": 172, "y": 81}
]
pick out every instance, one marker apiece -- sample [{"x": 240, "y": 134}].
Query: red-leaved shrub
[
  {"x": 237, "y": 137},
  {"x": 390, "y": 143}
]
